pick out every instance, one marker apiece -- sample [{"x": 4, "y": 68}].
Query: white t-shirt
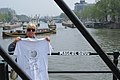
[{"x": 32, "y": 57}]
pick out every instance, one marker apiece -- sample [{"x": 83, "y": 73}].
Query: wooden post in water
[{"x": 88, "y": 37}]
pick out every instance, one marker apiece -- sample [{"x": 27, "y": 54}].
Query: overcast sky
[{"x": 41, "y": 7}]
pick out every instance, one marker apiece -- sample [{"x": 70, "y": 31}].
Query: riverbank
[{"x": 108, "y": 25}]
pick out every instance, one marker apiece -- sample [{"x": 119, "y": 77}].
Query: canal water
[{"x": 72, "y": 40}]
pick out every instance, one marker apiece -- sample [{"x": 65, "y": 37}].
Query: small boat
[
  {"x": 24, "y": 25},
  {"x": 8, "y": 26},
  {"x": 68, "y": 24},
  {"x": 23, "y": 32},
  {"x": 51, "y": 24},
  {"x": 35, "y": 20}
]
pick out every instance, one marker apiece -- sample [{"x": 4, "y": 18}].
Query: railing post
[
  {"x": 2, "y": 70},
  {"x": 115, "y": 61},
  {"x": 5, "y": 70}
]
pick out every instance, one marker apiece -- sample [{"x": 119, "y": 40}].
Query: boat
[
  {"x": 52, "y": 25},
  {"x": 23, "y": 32},
  {"x": 13, "y": 32},
  {"x": 24, "y": 25},
  {"x": 8, "y": 26},
  {"x": 33, "y": 20},
  {"x": 68, "y": 24}
]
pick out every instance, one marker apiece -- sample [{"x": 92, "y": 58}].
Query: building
[{"x": 81, "y": 6}]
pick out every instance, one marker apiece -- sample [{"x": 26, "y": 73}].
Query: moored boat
[
  {"x": 24, "y": 25},
  {"x": 12, "y": 32},
  {"x": 51, "y": 24},
  {"x": 8, "y": 26},
  {"x": 23, "y": 32},
  {"x": 68, "y": 24}
]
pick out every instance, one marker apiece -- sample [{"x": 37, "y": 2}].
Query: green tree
[
  {"x": 9, "y": 17},
  {"x": 109, "y": 7},
  {"x": 101, "y": 10},
  {"x": 6, "y": 17}
]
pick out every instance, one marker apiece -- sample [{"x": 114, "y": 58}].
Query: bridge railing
[{"x": 78, "y": 53}]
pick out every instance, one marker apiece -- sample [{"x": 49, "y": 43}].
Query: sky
[{"x": 39, "y": 7}]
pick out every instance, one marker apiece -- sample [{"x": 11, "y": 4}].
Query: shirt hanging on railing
[{"x": 32, "y": 57}]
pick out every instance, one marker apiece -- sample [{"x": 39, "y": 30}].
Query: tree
[
  {"x": 109, "y": 7},
  {"x": 9, "y": 17},
  {"x": 6, "y": 17},
  {"x": 101, "y": 10}
]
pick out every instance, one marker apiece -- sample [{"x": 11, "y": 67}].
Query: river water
[{"x": 72, "y": 40}]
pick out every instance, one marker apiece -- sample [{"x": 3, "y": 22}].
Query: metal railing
[
  {"x": 76, "y": 53},
  {"x": 68, "y": 53}
]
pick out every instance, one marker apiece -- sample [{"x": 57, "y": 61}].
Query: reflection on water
[{"x": 72, "y": 40}]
